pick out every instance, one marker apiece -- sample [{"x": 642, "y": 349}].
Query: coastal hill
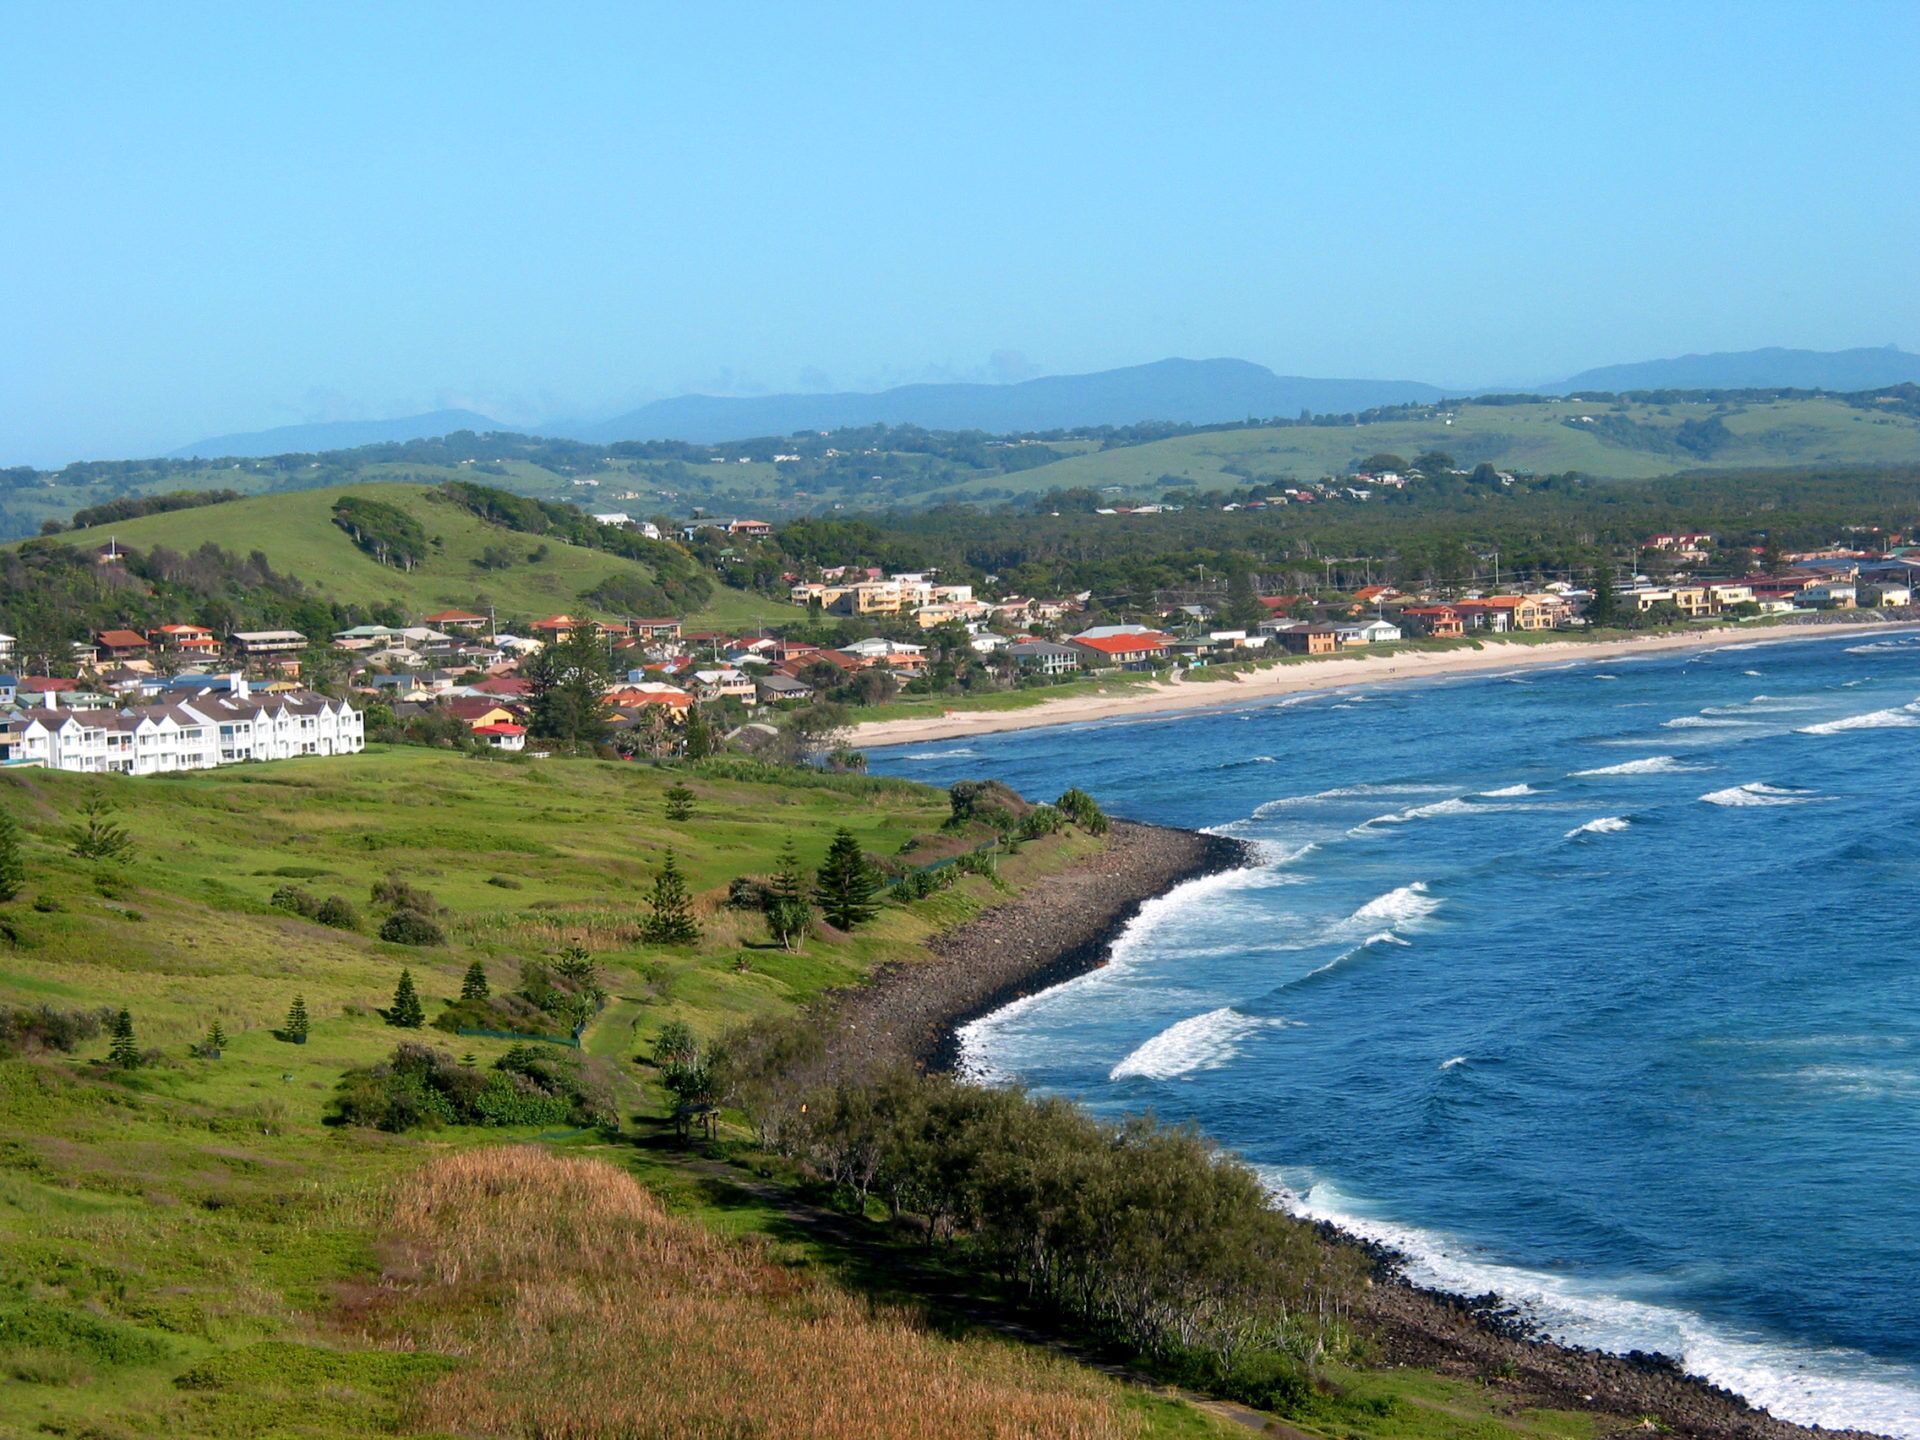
[{"x": 467, "y": 561}]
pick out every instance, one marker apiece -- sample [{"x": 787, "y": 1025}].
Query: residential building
[
  {"x": 1367, "y": 632},
  {"x": 774, "y": 687},
  {"x": 1439, "y": 622},
  {"x": 199, "y": 733},
  {"x": 7, "y": 642},
  {"x": 466, "y": 620},
  {"x": 1129, "y": 649},
  {"x": 503, "y": 735},
  {"x": 255, "y": 644},
  {"x": 188, "y": 639},
  {"x": 121, "y": 644},
  {"x": 1044, "y": 657},
  {"x": 1298, "y": 637},
  {"x": 722, "y": 684}
]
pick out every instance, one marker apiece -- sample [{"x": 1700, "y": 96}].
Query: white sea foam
[
  {"x": 1754, "y": 673},
  {"x": 1757, "y": 793},
  {"x": 1437, "y": 809},
  {"x": 1704, "y": 722},
  {"x": 1200, "y": 1042},
  {"x": 1401, "y": 908},
  {"x": 1835, "y": 1388},
  {"x": 1450, "y": 1064},
  {"x": 1906, "y": 717},
  {"x": 1605, "y": 825},
  {"x": 1343, "y": 792},
  {"x": 1606, "y": 677},
  {"x": 1881, "y": 647},
  {"x": 1651, "y": 765},
  {"x": 962, "y": 753},
  {"x": 1509, "y": 792}
]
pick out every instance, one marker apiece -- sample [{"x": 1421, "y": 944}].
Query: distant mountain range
[
  {"x": 1837, "y": 370},
  {"x": 335, "y": 435},
  {"x": 1182, "y": 391}
]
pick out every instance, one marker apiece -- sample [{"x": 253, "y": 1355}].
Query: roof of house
[
  {"x": 123, "y": 639},
  {"x": 1129, "y": 643},
  {"x": 441, "y": 617},
  {"x": 500, "y": 727}
]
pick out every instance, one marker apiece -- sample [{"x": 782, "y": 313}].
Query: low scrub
[
  {"x": 586, "y": 1310},
  {"x": 419, "y": 1087}
]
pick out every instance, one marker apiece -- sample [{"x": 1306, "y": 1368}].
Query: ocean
[{"x": 1596, "y": 986}]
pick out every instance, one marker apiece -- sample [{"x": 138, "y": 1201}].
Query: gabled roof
[
  {"x": 1127, "y": 644},
  {"x": 123, "y": 639}
]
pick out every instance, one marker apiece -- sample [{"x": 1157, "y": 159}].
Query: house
[
  {"x": 757, "y": 529},
  {"x": 196, "y": 733},
  {"x": 1375, "y": 594},
  {"x": 1440, "y": 622},
  {"x": 477, "y": 710},
  {"x": 1044, "y": 657},
  {"x": 503, "y": 735},
  {"x": 1298, "y": 637},
  {"x": 774, "y": 687},
  {"x": 187, "y": 639},
  {"x": 556, "y": 629},
  {"x": 657, "y": 629},
  {"x": 724, "y": 684},
  {"x": 1367, "y": 632},
  {"x": 257, "y": 644},
  {"x": 639, "y": 694},
  {"x": 7, "y": 642},
  {"x": 1829, "y": 595},
  {"x": 1897, "y": 593},
  {"x": 1129, "y": 649},
  {"x": 503, "y": 687},
  {"x": 455, "y": 620},
  {"x": 122, "y": 644},
  {"x": 874, "y": 648}
]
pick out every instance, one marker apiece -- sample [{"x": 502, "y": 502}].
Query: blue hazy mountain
[
  {"x": 1192, "y": 391},
  {"x": 1838, "y": 370},
  {"x": 336, "y": 435}
]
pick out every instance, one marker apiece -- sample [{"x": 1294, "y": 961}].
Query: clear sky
[{"x": 222, "y": 217}]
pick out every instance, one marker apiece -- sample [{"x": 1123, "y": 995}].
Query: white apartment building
[{"x": 198, "y": 733}]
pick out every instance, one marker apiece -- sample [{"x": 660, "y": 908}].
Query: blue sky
[{"x": 225, "y": 217}]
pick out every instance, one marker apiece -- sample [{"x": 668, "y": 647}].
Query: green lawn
[{"x": 295, "y": 530}]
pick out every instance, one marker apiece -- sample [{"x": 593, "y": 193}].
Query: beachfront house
[
  {"x": 1300, "y": 637},
  {"x": 1437, "y": 622},
  {"x": 1043, "y": 657},
  {"x": 1126, "y": 649}
]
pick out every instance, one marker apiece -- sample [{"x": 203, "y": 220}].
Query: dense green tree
[
  {"x": 1244, "y": 610},
  {"x": 295, "y": 1029},
  {"x": 124, "y": 1052},
  {"x": 1604, "y": 607},
  {"x": 474, "y": 985},
  {"x": 846, "y": 883},
  {"x": 679, "y": 803},
  {"x": 13, "y": 863},
  {"x": 215, "y": 1042},
  {"x": 406, "y": 1011},
  {"x": 567, "y": 683},
  {"x": 697, "y": 742},
  {"x": 670, "y": 920}
]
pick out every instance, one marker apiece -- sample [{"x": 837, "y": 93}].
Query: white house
[
  {"x": 1368, "y": 632},
  {"x": 198, "y": 733},
  {"x": 719, "y": 684},
  {"x": 7, "y": 642}
]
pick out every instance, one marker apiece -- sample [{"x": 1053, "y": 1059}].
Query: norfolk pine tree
[
  {"x": 295, "y": 1029},
  {"x": 671, "y": 922},
  {"x": 406, "y": 1010},
  {"x": 474, "y": 985},
  {"x": 846, "y": 883}
]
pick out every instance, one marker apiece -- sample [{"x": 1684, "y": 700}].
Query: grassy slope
[
  {"x": 1526, "y": 437},
  {"x": 297, "y": 532}
]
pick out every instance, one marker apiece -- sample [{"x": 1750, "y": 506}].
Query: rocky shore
[
  {"x": 1065, "y": 925},
  {"x": 1061, "y": 926}
]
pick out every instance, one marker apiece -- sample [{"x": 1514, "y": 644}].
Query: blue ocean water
[{"x": 1594, "y": 986}]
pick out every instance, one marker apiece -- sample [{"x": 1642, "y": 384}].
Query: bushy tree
[
  {"x": 1082, "y": 810},
  {"x": 124, "y": 1052},
  {"x": 697, "y": 741},
  {"x": 568, "y": 685},
  {"x": 13, "y": 864},
  {"x": 1604, "y": 607},
  {"x": 679, "y": 803},
  {"x": 846, "y": 883},
  {"x": 474, "y": 985},
  {"x": 406, "y": 1011},
  {"x": 295, "y": 1030},
  {"x": 671, "y": 920}
]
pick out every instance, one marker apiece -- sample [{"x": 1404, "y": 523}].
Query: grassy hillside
[
  {"x": 297, "y": 533},
  {"x": 1543, "y": 438},
  {"x": 192, "y": 1250}
]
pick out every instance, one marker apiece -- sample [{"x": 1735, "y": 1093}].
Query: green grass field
[{"x": 296, "y": 532}]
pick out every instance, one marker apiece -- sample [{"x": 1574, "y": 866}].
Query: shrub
[
  {"x": 295, "y": 901},
  {"x": 986, "y": 802},
  {"x": 338, "y": 912},
  {"x": 420, "y": 1087},
  {"x": 505, "y": 882},
  {"x": 25, "y": 1029},
  {"x": 410, "y": 927},
  {"x": 13, "y": 865},
  {"x": 1041, "y": 820},
  {"x": 1079, "y": 807},
  {"x": 396, "y": 894}
]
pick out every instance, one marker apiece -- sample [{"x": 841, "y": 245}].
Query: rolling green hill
[{"x": 296, "y": 532}]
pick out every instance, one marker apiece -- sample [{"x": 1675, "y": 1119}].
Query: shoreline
[
  {"x": 1065, "y": 926},
  {"x": 1354, "y": 668}
]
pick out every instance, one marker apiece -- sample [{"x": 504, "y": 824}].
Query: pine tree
[
  {"x": 474, "y": 985},
  {"x": 406, "y": 1010},
  {"x": 13, "y": 865},
  {"x": 123, "y": 1054},
  {"x": 671, "y": 922},
  {"x": 1244, "y": 610},
  {"x": 787, "y": 910},
  {"x": 846, "y": 883},
  {"x": 296, "y": 1026},
  {"x": 1604, "y": 607},
  {"x": 215, "y": 1042},
  {"x": 698, "y": 744},
  {"x": 100, "y": 837},
  {"x": 679, "y": 802}
]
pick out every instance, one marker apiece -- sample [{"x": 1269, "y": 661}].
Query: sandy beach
[{"x": 1355, "y": 667}]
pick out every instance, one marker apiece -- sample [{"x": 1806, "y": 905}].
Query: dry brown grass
[{"x": 586, "y": 1311}]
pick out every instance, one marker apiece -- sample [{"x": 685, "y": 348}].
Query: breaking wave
[
  {"x": 1652, "y": 765},
  {"x": 1605, "y": 825},
  {"x": 1200, "y": 1042},
  {"x": 1757, "y": 793},
  {"x": 1906, "y": 717}
]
